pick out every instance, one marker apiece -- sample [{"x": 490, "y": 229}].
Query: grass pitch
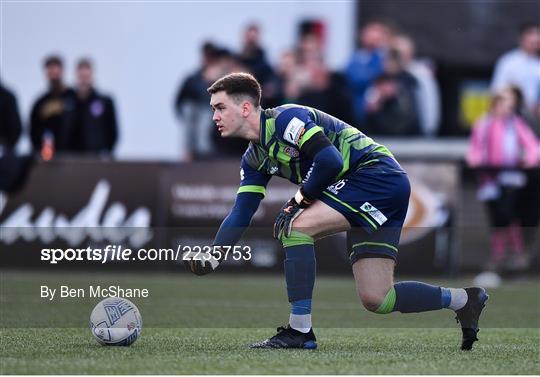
[{"x": 233, "y": 311}]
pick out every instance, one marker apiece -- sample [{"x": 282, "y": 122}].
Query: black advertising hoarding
[
  {"x": 86, "y": 203},
  {"x": 80, "y": 203}
]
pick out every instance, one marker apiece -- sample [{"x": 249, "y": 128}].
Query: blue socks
[
  {"x": 300, "y": 276},
  {"x": 405, "y": 297},
  {"x": 301, "y": 307},
  {"x": 414, "y": 297}
]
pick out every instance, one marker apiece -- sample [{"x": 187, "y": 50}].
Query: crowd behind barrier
[{"x": 384, "y": 90}]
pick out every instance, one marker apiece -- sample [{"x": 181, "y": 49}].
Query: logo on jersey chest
[
  {"x": 290, "y": 151},
  {"x": 294, "y": 131}
]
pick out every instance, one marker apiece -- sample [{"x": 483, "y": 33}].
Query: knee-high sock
[
  {"x": 415, "y": 297},
  {"x": 300, "y": 266}
]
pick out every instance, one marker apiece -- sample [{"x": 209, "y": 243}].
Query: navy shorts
[{"x": 374, "y": 200}]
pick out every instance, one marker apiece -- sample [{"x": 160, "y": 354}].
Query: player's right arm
[{"x": 250, "y": 193}]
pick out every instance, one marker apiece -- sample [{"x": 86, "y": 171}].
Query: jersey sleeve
[
  {"x": 296, "y": 125},
  {"x": 252, "y": 179}
]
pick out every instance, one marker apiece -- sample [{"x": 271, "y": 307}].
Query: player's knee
[
  {"x": 379, "y": 302},
  {"x": 296, "y": 238},
  {"x": 371, "y": 300}
]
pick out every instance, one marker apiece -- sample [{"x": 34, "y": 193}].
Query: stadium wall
[{"x": 143, "y": 51}]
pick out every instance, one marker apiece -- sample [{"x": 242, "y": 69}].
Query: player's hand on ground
[{"x": 200, "y": 263}]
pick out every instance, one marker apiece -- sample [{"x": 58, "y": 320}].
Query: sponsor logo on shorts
[
  {"x": 334, "y": 188},
  {"x": 374, "y": 213}
]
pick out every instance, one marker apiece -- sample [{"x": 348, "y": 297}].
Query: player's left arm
[{"x": 299, "y": 129}]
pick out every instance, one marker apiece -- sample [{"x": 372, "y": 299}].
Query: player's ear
[{"x": 246, "y": 108}]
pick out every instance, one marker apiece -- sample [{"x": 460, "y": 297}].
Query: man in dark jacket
[
  {"x": 95, "y": 129},
  {"x": 10, "y": 121},
  {"x": 52, "y": 115},
  {"x": 13, "y": 168}
]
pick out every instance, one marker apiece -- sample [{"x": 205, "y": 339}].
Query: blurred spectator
[
  {"x": 321, "y": 88},
  {"x": 95, "y": 129},
  {"x": 310, "y": 45},
  {"x": 307, "y": 80},
  {"x": 524, "y": 112},
  {"x": 192, "y": 105},
  {"x": 528, "y": 198},
  {"x": 226, "y": 63},
  {"x": 366, "y": 64},
  {"x": 13, "y": 169},
  {"x": 502, "y": 143},
  {"x": 521, "y": 67},
  {"x": 291, "y": 78},
  {"x": 427, "y": 91},
  {"x": 253, "y": 57},
  {"x": 10, "y": 121},
  {"x": 391, "y": 103},
  {"x": 52, "y": 116}
]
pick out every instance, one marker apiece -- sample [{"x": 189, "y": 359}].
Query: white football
[{"x": 116, "y": 322}]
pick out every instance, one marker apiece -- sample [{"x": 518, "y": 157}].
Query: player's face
[
  {"x": 54, "y": 73},
  {"x": 84, "y": 78},
  {"x": 530, "y": 41},
  {"x": 227, "y": 114}
]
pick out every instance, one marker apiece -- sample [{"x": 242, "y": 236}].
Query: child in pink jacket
[{"x": 503, "y": 144}]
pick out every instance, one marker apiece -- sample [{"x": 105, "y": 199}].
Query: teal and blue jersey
[
  {"x": 283, "y": 132},
  {"x": 333, "y": 162}
]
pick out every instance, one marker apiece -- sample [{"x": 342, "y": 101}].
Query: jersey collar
[{"x": 262, "y": 129}]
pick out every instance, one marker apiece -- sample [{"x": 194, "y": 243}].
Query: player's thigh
[
  {"x": 374, "y": 277},
  {"x": 320, "y": 220}
]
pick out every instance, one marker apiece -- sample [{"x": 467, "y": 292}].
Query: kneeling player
[{"x": 347, "y": 182}]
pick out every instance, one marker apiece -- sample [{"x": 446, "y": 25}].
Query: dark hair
[
  {"x": 384, "y": 77},
  {"x": 237, "y": 85},
  {"x": 53, "y": 60},
  {"x": 208, "y": 49},
  {"x": 84, "y": 63},
  {"x": 527, "y": 26},
  {"x": 518, "y": 94}
]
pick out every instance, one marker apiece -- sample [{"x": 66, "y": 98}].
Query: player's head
[
  {"x": 85, "y": 76},
  {"x": 54, "y": 69},
  {"x": 529, "y": 38},
  {"x": 503, "y": 102},
  {"x": 234, "y": 98},
  {"x": 252, "y": 35},
  {"x": 404, "y": 45},
  {"x": 375, "y": 34}
]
